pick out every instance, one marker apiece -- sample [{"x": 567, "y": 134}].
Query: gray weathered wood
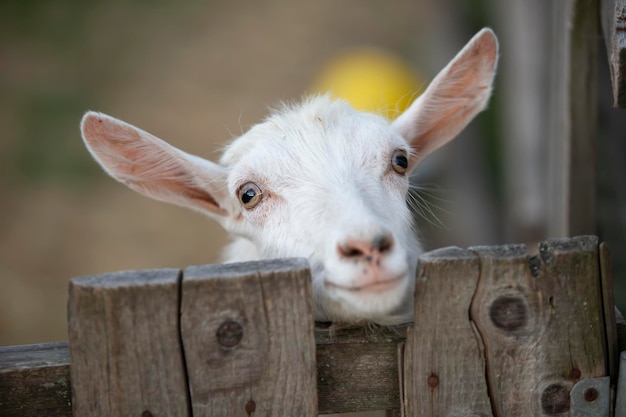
[
  {"x": 571, "y": 177},
  {"x": 444, "y": 366},
  {"x": 125, "y": 349},
  {"x": 35, "y": 380},
  {"x": 541, "y": 322},
  {"x": 247, "y": 332},
  {"x": 614, "y": 28},
  {"x": 357, "y": 368}
]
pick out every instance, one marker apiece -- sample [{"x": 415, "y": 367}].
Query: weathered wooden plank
[
  {"x": 357, "y": 368},
  {"x": 614, "y": 28},
  {"x": 540, "y": 320},
  {"x": 35, "y": 380},
  {"x": 571, "y": 184},
  {"x": 125, "y": 350},
  {"x": 247, "y": 332},
  {"x": 41, "y": 386},
  {"x": 610, "y": 312},
  {"x": 444, "y": 366}
]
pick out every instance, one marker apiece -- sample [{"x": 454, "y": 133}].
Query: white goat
[{"x": 318, "y": 180}]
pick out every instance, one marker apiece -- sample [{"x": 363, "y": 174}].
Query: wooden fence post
[
  {"x": 126, "y": 358},
  {"x": 541, "y": 321},
  {"x": 248, "y": 337},
  {"x": 233, "y": 339},
  {"x": 444, "y": 365},
  {"x": 499, "y": 333}
]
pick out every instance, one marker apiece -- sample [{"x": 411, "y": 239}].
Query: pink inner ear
[
  {"x": 145, "y": 163},
  {"x": 98, "y": 126},
  {"x": 456, "y": 95},
  {"x": 474, "y": 71},
  {"x": 113, "y": 140}
]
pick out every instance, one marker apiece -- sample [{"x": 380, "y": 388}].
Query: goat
[{"x": 317, "y": 180}]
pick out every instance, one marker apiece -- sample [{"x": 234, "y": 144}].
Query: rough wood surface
[
  {"x": 571, "y": 184},
  {"x": 35, "y": 380},
  {"x": 614, "y": 28},
  {"x": 541, "y": 323},
  {"x": 444, "y": 366},
  {"x": 125, "y": 349},
  {"x": 357, "y": 368},
  {"x": 247, "y": 332}
]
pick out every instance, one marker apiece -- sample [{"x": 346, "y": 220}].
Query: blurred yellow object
[{"x": 371, "y": 80}]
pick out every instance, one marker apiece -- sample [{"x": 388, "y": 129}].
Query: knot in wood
[
  {"x": 508, "y": 313},
  {"x": 575, "y": 374},
  {"x": 433, "y": 381},
  {"x": 250, "y": 407},
  {"x": 555, "y": 399},
  {"x": 229, "y": 334}
]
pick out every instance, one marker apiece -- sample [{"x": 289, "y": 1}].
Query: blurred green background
[{"x": 197, "y": 73}]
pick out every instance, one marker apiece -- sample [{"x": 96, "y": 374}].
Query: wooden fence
[{"x": 497, "y": 333}]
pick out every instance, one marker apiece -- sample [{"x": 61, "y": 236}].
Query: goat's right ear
[
  {"x": 154, "y": 168},
  {"x": 459, "y": 92}
]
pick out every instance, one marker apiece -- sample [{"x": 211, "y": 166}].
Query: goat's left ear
[
  {"x": 156, "y": 169},
  {"x": 459, "y": 92}
]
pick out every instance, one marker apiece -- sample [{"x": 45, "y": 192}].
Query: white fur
[{"x": 329, "y": 191}]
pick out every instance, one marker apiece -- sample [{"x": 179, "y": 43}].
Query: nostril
[
  {"x": 382, "y": 243},
  {"x": 350, "y": 250},
  {"x": 367, "y": 250}
]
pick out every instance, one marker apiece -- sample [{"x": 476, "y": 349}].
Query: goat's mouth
[{"x": 373, "y": 287}]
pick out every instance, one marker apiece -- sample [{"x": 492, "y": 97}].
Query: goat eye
[
  {"x": 399, "y": 161},
  {"x": 250, "y": 195}
]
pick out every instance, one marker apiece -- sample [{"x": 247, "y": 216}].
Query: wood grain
[
  {"x": 125, "y": 349},
  {"x": 614, "y": 28},
  {"x": 357, "y": 369},
  {"x": 444, "y": 365},
  {"x": 540, "y": 320},
  {"x": 41, "y": 386},
  {"x": 247, "y": 332},
  {"x": 35, "y": 380}
]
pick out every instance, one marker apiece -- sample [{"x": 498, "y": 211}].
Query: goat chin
[
  {"x": 390, "y": 307},
  {"x": 386, "y": 306}
]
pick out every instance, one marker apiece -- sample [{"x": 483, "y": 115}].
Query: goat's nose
[{"x": 367, "y": 250}]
